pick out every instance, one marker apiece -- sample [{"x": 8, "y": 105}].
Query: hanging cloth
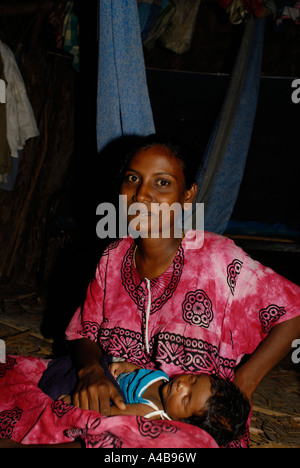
[
  {"x": 221, "y": 174},
  {"x": 123, "y": 105},
  {"x": 5, "y": 158},
  {"x": 21, "y": 124}
]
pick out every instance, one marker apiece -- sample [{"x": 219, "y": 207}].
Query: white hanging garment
[{"x": 21, "y": 123}]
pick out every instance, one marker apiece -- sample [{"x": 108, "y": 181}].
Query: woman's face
[{"x": 155, "y": 177}]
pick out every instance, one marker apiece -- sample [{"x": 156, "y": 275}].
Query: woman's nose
[{"x": 143, "y": 194}]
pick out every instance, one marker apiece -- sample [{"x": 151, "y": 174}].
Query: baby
[{"x": 209, "y": 402}]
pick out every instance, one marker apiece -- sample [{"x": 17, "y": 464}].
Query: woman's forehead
[{"x": 155, "y": 157}]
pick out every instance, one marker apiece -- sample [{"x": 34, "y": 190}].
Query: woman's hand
[{"x": 95, "y": 391}]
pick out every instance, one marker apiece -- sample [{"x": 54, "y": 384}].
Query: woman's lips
[
  {"x": 145, "y": 214},
  {"x": 142, "y": 210}
]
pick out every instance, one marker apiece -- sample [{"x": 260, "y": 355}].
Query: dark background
[{"x": 55, "y": 248}]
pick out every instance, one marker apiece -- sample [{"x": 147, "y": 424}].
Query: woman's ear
[{"x": 191, "y": 194}]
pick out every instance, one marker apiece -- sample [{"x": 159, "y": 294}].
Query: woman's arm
[
  {"x": 94, "y": 390},
  {"x": 273, "y": 349}
]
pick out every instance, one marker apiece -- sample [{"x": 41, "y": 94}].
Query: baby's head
[{"x": 211, "y": 403}]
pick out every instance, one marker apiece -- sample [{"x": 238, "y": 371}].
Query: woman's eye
[
  {"x": 131, "y": 178},
  {"x": 163, "y": 182}
]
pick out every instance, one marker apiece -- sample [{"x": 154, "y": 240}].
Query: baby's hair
[{"x": 225, "y": 414}]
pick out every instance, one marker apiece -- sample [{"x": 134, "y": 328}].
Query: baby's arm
[
  {"x": 117, "y": 368},
  {"x": 134, "y": 409}
]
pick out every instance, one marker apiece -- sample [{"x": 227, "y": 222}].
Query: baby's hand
[
  {"x": 122, "y": 367},
  {"x": 116, "y": 369}
]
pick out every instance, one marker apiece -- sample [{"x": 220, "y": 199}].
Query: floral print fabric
[{"x": 210, "y": 307}]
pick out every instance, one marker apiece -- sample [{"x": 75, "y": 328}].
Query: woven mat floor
[{"x": 276, "y": 406}]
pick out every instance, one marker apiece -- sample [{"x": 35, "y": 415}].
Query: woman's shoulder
[
  {"x": 113, "y": 255},
  {"x": 211, "y": 244},
  {"x": 118, "y": 246}
]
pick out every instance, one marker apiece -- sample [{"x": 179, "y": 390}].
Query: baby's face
[{"x": 186, "y": 395}]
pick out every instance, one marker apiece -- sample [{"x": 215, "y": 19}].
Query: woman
[{"x": 156, "y": 302}]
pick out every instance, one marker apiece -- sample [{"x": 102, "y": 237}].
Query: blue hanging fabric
[
  {"x": 221, "y": 174},
  {"x": 123, "y": 104}
]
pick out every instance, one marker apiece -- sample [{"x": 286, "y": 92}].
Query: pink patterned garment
[
  {"x": 29, "y": 416},
  {"x": 210, "y": 308}
]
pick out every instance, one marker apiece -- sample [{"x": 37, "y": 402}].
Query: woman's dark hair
[
  {"x": 226, "y": 412},
  {"x": 187, "y": 156}
]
